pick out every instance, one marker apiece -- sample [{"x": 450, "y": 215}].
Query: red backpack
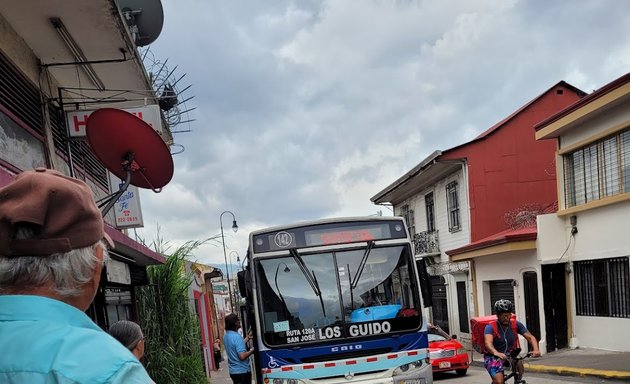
[{"x": 478, "y": 326}]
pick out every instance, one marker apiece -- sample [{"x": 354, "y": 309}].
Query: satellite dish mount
[{"x": 130, "y": 149}]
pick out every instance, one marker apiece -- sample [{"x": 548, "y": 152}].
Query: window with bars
[
  {"x": 408, "y": 214},
  {"x": 599, "y": 170},
  {"x": 602, "y": 287},
  {"x": 452, "y": 206},
  {"x": 429, "y": 205}
]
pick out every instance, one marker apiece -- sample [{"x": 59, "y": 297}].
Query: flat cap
[{"x": 60, "y": 208}]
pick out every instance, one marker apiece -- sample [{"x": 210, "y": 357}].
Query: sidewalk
[
  {"x": 220, "y": 377},
  {"x": 579, "y": 362}
]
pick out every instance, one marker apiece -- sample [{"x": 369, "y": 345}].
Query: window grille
[
  {"x": 602, "y": 287},
  {"x": 430, "y": 210},
  {"x": 598, "y": 170},
  {"x": 410, "y": 220},
  {"x": 452, "y": 204},
  {"x": 20, "y": 96}
]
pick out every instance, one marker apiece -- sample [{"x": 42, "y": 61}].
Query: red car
[{"x": 446, "y": 353}]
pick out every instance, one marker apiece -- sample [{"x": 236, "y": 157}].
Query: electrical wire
[{"x": 566, "y": 249}]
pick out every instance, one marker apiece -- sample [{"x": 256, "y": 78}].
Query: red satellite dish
[{"x": 130, "y": 149}]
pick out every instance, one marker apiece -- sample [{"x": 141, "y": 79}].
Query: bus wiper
[
  {"x": 312, "y": 279},
  {"x": 357, "y": 276}
]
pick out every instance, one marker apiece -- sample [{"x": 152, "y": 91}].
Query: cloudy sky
[{"x": 306, "y": 109}]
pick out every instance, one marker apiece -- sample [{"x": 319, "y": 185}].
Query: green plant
[{"x": 173, "y": 350}]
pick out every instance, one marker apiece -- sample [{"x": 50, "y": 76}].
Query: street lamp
[
  {"x": 275, "y": 279},
  {"x": 238, "y": 259},
  {"x": 235, "y": 288},
  {"x": 234, "y": 228}
]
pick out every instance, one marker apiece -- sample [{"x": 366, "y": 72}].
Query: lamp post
[
  {"x": 238, "y": 259},
  {"x": 234, "y": 228},
  {"x": 236, "y": 294},
  {"x": 275, "y": 279}
]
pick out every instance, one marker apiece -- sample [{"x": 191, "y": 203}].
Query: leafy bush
[{"x": 172, "y": 350}]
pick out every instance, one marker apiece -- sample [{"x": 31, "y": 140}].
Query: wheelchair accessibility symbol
[{"x": 272, "y": 363}]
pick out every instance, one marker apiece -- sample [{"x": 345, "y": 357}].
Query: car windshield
[{"x": 345, "y": 301}]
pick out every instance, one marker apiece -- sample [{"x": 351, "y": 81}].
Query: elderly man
[{"x": 52, "y": 249}]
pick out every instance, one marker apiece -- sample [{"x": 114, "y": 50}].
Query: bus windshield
[{"x": 356, "y": 293}]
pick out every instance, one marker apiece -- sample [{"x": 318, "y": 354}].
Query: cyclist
[{"x": 500, "y": 340}]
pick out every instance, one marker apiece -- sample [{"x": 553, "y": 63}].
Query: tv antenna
[{"x": 130, "y": 149}]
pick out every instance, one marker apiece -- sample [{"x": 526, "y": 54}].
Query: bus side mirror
[{"x": 242, "y": 283}]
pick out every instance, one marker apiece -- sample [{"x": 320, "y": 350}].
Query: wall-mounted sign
[
  {"x": 117, "y": 272},
  {"x": 76, "y": 120},
  {"x": 127, "y": 209}
]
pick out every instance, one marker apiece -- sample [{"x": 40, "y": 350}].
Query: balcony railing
[{"x": 426, "y": 242}]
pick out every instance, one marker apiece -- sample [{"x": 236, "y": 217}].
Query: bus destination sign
[{"x": 329, "y": 234}]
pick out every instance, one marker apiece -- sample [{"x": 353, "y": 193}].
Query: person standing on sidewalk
[
  {"x": 499, "y": 348},
  {"x": 236, "y": 351},
  {"x": 52, "y": 249},
  {"x": 217, "y": 354}
]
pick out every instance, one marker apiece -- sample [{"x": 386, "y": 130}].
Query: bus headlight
[
  {"x": 287, "y": 381},
  {"x": 406, "y": 367}
]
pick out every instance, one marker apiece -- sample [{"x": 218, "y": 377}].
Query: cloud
[{"x": 306, "y": 109}]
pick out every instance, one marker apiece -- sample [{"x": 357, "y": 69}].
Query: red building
[{"x": 507, "y": 168}]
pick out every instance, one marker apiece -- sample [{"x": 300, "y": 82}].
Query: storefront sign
[
  {"x": 118, "y": 272},
  {"x": 77, "y": 120},
  {"x": 127, "y": 210}
]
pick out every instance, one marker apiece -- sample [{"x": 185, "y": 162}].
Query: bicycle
[{"x": 512, "y": 363}]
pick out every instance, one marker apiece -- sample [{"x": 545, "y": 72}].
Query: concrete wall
[{"x": 507, "y": 266}]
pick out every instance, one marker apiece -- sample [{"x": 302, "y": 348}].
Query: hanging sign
[
  {"x": 127, "y": 210},
  {"x": 77, "y": 120}
]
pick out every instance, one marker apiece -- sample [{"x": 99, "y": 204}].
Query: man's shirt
[
  {"x": 234, "y": 345},
  {"x": 43, "y": 340},
  {"x": 505, "y": 341}
]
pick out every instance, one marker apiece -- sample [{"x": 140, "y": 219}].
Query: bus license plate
[
  {"x": 412, "y": 381},
  {"x": 445, "y": 364}
]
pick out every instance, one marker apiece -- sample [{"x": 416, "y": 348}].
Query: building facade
[
  {"x": 586, "y": 241},
  {"x": 460, "y": 202},
  {"x": 67, "y": 56}
]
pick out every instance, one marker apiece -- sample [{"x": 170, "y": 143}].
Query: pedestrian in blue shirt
[
  {"x": 236, "y": 350},
  {"x": 52, "y": 249}
]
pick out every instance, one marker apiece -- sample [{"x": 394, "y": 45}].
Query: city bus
[{"x": 336, "y": 301}]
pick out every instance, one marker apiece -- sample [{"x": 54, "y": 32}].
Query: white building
[{"x": 588, "y": 238}]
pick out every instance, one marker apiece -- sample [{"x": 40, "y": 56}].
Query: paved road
[{"x": 478, "y": 375}]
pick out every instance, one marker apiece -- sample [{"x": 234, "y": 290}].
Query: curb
[
  {"x": 570, "y": 371},
  {"x": 581, "y": 372}
]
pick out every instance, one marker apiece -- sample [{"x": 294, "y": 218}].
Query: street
[{"x": 478, "y": 375}]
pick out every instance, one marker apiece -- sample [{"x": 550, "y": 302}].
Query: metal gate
[{"x": 501, "y": 289}]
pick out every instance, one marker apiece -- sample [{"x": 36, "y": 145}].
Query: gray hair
[
  {"x": 127, "y": 333},
  {"x": 66, "y": 271}
]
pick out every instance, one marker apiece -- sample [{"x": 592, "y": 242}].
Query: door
[
  {"x": 532, "y": 317},
  {"x": 462, "y": 307},
  {"x": 555, "y": 306},
  {"x": 440, "y": 305}
]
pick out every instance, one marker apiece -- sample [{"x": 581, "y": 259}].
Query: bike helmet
[{"x": 503, "y": 306}]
